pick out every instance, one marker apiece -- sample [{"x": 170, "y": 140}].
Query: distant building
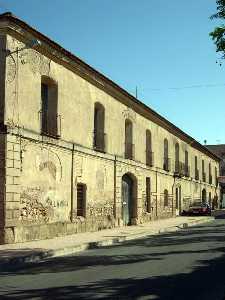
[
  {"x": 219, "y": 150},
  {"x": 79, "y": 153}
]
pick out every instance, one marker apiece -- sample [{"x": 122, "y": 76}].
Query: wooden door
[{"x": 127, "y": 196}]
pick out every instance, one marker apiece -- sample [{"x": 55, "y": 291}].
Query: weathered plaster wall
[
  {"x": 76, "y": 98},
  {"x": 42, "y": 173},
  {"x": 98, "y": 175},
  {"x": 45, "y": 184}
]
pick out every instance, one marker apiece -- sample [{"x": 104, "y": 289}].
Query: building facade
[
  {"x": 219, "y": 150},
  {"x": 79, "y": 153}
]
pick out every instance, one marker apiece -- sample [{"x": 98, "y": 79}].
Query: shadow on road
[
  {"x": 203, "y": 282},
  {"x": 219, "y": 214},
  {"x": 181, "y": 287}
]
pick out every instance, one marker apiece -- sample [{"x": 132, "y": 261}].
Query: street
[{"x": 188, "y": 264}]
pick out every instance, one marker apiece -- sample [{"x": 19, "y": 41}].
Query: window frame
[
  {"x": 49, "y": 116},
  {"x": 81, "y": 208},
  {"x": 166, "y": 198}
]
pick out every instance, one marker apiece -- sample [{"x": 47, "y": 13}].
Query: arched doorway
[
  {"x": 128, "y": 198},
  {"x": 203, "y": 196}
]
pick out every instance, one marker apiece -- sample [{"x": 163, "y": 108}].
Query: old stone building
[
  {"x": 219, "y": 150},
  {"x": 79, "y": 153}
]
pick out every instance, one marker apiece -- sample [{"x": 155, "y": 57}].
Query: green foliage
[
  {"x": 218, "y": 35},
  {"x": 220, "y": 10}
]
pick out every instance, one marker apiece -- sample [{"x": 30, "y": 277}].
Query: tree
[{"x": 218, "y": 35}]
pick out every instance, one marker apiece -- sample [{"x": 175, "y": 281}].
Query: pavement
[{"x": 37, "y": 251}]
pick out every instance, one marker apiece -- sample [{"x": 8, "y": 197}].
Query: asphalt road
[{"x": 189, "y": 264}]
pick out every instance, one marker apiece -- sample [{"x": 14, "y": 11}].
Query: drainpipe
[{"x": 72, "y": 187}]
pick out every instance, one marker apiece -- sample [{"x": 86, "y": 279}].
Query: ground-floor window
[
  {"x": 148, "y": 194},
  {"x": 81, "y": 199},
  {"x": 166, "y": 198}
]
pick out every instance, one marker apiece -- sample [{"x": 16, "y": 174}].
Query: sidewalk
[{"x": 35, "y": 251}]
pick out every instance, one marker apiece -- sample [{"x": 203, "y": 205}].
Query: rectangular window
[
  {"x": 44, "y": 109},
  {"x": 148, "y": 195},
  {"x": 44, "y": 96},
  {"x": 166, "y": 198},
  {"x": 49, "y": 107},
  {"x": 81, "y": 200}
]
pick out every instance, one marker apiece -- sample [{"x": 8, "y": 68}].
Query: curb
[{"x": 41, "y": 256}]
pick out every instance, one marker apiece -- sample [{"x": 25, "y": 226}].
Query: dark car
[{"x": 199, "y": 208}]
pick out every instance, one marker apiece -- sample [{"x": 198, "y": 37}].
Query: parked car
[{"x": 198, "y": 208}]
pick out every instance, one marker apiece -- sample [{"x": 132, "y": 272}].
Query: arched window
[
  {"x": 81, "y": 199},
  {"x": 203, "y": 171},
  {"x": 196, "y": 169},
  {"x": 149, "y": 153},
  {"x": 216, "y": 177},
  {"x": 177, "y": 158},
  {"x": 166, "y": 198},
  {"x": 129, "y": 147},
  {"x": 99, "y": 127},
  {"x": 166, "y": 155},
  {"x": 49, "y": 107},
  {"x": 210, "y": 174},
  {"x": 186, "y": 166}
]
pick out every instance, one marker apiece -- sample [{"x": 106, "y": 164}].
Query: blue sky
[{"x": 162, "y": 47}]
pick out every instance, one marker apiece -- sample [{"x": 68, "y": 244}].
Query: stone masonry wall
[
  {"x": 39, "y": 185},
  {"x": 2, "y": 186},
  {"x": 12, "y": 187}
]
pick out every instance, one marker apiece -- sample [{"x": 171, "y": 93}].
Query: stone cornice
[{"x": 19, "y": 29}]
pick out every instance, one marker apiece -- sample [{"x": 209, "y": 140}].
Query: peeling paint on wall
[
  {"x": 97, "y": 209},
  {"x": 50, "y": 166},
  {"x": 49, "y": 160},
  {"x": 38, "y": 205},
  {"x": 31, "y": 207}
]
